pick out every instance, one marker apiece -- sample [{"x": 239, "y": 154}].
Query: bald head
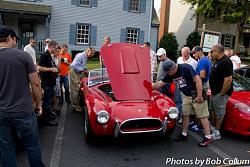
[
  {"x": 107, "y": 40},
  {"x": 185, "y": 53}
]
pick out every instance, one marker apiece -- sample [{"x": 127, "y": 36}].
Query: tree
[
  {"x": 193, "y": 39},
  {"x": 170, "y": 44},
  {"x": 227, "y": 11}
]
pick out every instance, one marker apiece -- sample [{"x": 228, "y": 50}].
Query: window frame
[
  {"x": 138, "y": 34},
  {"x": 82, "y": 5},
  {"x": 28, "y": 0},
  {"x": 226, "y": 42},
  {"x": 89, "y": 35},
  {"x": 134, "y": 11}
]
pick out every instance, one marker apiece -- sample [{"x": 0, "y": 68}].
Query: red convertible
[{"x": 120, "y": 100}]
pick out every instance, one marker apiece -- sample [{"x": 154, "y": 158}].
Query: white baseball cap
[{"x": 161, "y": 51}]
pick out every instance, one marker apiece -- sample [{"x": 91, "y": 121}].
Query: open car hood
[{"x": 128, "y": 67}]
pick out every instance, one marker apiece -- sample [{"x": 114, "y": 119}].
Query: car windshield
[
  {"x": 97, "y": 76},
  {"x": 240, "y": 83}
]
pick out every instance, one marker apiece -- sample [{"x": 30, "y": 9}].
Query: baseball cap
[
  {"x": 168, "y": 65},
  {"x": 47, "y": 40},
  {"x": 160, "y": 52},
  {"x": 196, "y": 49},
  {"x": 6, "y": 31}
]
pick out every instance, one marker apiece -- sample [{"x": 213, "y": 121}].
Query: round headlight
[
  {"x": 173, "y": 112},
  {"x": 102, "y": 117}
]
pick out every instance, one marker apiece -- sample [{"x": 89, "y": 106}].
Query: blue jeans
[
  {"x": 178, "y": 100},
  {"x": 27, "y": 130},
  {"x": 64, "y": 81},
  {"x": 47, "y": 101}
]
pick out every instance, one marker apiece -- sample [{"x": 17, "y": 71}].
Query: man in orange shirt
[{"x": 64, "y": 71}]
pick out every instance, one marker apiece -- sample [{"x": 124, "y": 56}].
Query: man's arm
[
  {"x": 226, "y": 85},
  {"x": 46, "y": 69},
  {"x": 158, "y": 85},
  {"x": 198, "y": 83},
  {"x": 36, "y": 90},
  {"x": 203, "y": 74}
]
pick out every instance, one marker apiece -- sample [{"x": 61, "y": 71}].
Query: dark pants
[
  {"x": 47, "y": 101},
  {"x": 64, "y": 81},
  {"x": 27, "y": 129}
]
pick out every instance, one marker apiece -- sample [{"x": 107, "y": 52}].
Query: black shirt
[
  {"x": 221, "y": 69},
  {"x": 47, "y": 78},
  {"x": 183, "y": 79}
]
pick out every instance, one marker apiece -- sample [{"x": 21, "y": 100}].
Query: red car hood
[
  {"x": 242, "y": 96},
  {"x": 128, "y": 67}
]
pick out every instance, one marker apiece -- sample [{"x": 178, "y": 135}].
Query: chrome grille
[{"x": 141, "y": 125}]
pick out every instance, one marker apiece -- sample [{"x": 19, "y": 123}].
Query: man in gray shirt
[{"x": 17, "y": 75}]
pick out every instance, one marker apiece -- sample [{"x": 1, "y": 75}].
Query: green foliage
[
  {"x": 93, "y": 64},
  {"x": 170, "y": 44},
  {"x": 227, "y": 11},
  {"x": 193, "y": 39}
]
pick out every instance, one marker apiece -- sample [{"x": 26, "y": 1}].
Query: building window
[
  {"x": 228, "y": 41},
  {"x": 84, "y": 2},
  {"x": 83, "y": 34},
  {"x": 29, "y": 0},
  {"x": 134, "y": 5},
  {"x": 132, "y": 35}
]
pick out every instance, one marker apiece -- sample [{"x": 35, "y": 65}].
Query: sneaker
[
  {"x": 216, "y": 135},
  {"x": 195, "y": 128},
  {"x": 212, "y": 128},
  {"x": 180, "y": 137},
  {"x": 191, "y": 124},
  {"x": 58, "y": 112},
  {"x": 205, "y": 142}
]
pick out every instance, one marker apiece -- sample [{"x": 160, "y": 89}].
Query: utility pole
[{"x": 164, "y": 18}]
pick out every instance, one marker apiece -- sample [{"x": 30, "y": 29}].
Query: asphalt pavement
[{"x": 64, "y": 146}]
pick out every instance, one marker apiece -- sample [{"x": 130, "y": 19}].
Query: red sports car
[
  {"x": 120, "y": 100},
  {"x": 237, "y": 118}
]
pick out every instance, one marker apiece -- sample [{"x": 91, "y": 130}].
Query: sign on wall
[{"x": 209, "y": 41}]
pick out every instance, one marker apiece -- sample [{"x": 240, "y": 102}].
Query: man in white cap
[{"x": 162, "y": 55}]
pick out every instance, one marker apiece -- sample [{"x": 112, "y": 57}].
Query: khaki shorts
[
  {"x": 200, "y": 109},
  {"x": 218, "y": 105}
]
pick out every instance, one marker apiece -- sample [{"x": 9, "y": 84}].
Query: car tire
[
  {"x": 88, "y": 133},
  {"x": 81, "y": 99}
]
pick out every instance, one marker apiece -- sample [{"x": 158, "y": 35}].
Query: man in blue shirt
[
  {"x": 77, "y": 68},
  {"x": 203, "y": 68},
  {"x": 187, "y": 80}
]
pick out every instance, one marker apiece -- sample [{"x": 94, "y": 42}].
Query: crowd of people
[
  {"x": 42, "y": 83},
  {"x": 192, "y": 77}
]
